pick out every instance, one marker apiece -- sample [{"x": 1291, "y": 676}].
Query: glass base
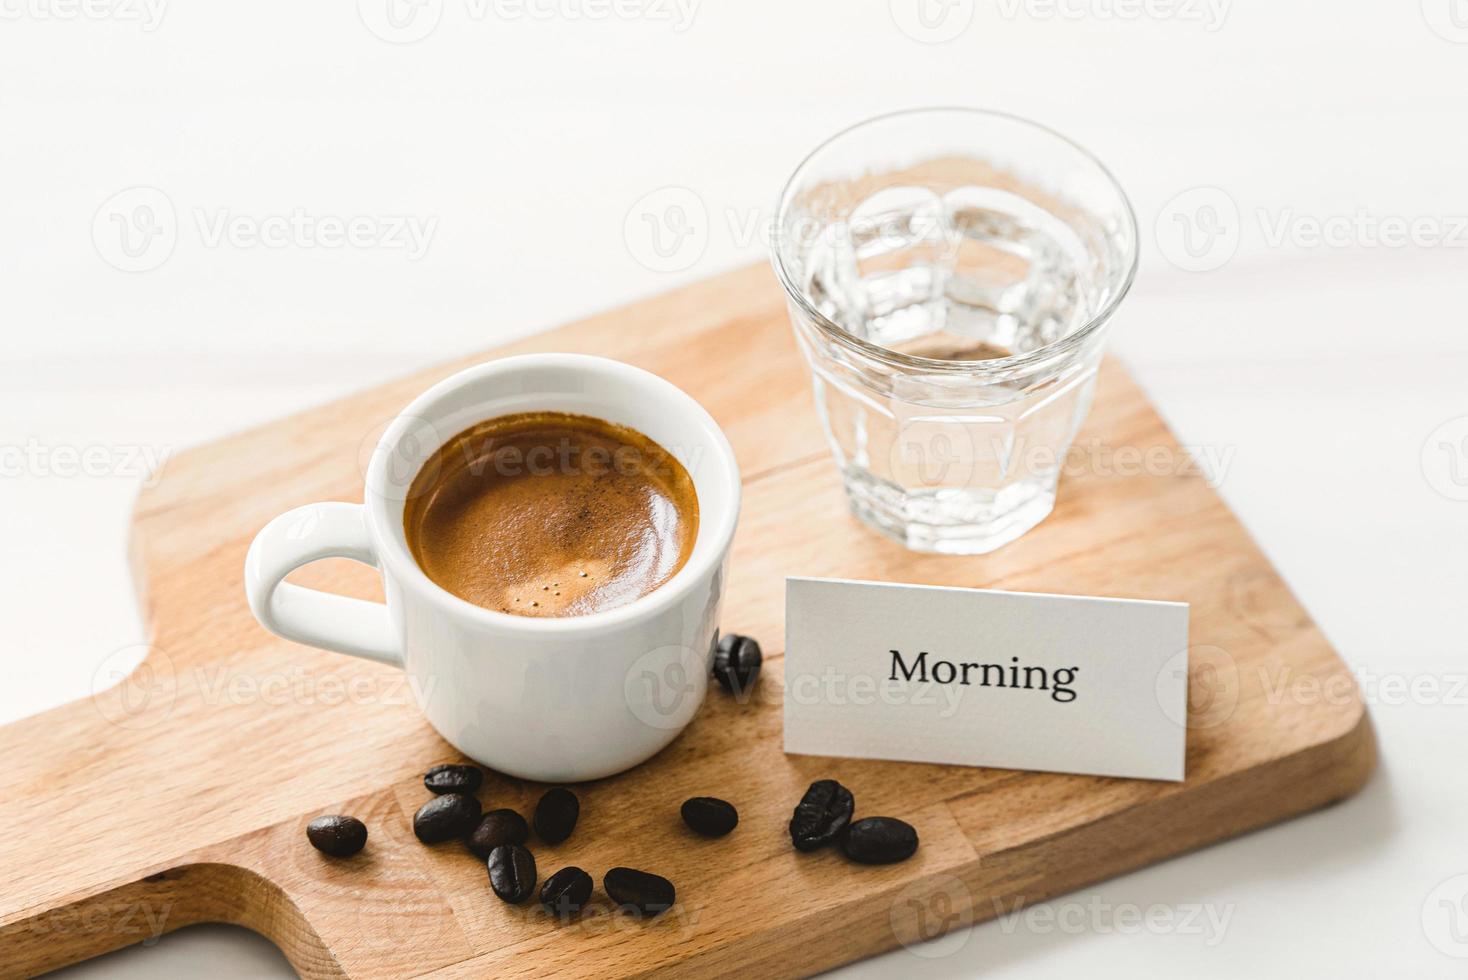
[{"x": 950, "y": 522}]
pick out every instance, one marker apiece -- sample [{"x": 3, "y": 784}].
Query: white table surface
[{"x": 1324, "y": 369}]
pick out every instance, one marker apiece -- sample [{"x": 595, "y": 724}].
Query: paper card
[{"x": 975, "y": 677}]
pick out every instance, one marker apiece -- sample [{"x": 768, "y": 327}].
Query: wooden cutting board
[{"x": 181, "y": 795}]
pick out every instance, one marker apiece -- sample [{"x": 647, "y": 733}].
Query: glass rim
[{"x": 991, "y": 366}]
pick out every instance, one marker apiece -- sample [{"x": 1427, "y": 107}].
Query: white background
[{"x": 1324, "y": 369}]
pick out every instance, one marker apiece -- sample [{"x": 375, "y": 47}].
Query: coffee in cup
[
  {"x": 551, "y": 514},
  {"x": 550, "y": 698}
]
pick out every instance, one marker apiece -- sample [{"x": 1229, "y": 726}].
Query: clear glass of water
[{"x": 951, "y": 274}]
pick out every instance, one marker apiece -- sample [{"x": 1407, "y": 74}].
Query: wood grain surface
[{"x": 181, "y": 794}]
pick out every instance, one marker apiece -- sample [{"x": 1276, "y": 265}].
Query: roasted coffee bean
[
  {"x": 454, "y": 779},
  {"x": 880, "y": 840},
  {"x": 566, "y": 892},
  {"x": 737, "y": 661},
  {"x": 710, "y": 816},
  {"x": 821, "y": 815},
  {"x": 555, "y": 815},
  {"x": 336, "y": 835},
  {"x": 495, "y": 828},
  {"x": 512, "y": 872},
  {"x": 445, "y": 817},
  {"x": 639, "y": 891}
]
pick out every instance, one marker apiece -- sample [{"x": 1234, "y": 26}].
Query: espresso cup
[{"x": 554, "y": 699}]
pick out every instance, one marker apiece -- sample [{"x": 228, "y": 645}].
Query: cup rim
[
  {"x": 997, "y": 367},
  {"x": 394, "y": 556}
]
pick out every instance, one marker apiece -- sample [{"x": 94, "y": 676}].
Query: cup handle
[{"x": 320, "y": 619}]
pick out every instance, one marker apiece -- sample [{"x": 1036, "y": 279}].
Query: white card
[{"x": 1057, "y": 683}]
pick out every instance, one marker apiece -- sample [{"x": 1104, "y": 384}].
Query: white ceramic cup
[{"x": 556, "y": 699}]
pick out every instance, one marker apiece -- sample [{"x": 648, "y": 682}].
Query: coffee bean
[
  {"x": 820, "y": 816},
  {"x": 555, "y": 815},
  {"x": 880, "y": 840},
  {"x": 566, "y": 892},
  {"x": 445, "y": 817},
  {"x": 454, "y": 779},
  {"x": 336, "y": 835},
  {"x": 710, "y": 816},
  {"x": 639, "y": 891},
  {"x": 496, "y": 828},
  {"x": 737, "y": 661},
  {"x": 512, "y": 872}
]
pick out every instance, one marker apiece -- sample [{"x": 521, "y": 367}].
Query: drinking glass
[{"x": 951, "y": 274}]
